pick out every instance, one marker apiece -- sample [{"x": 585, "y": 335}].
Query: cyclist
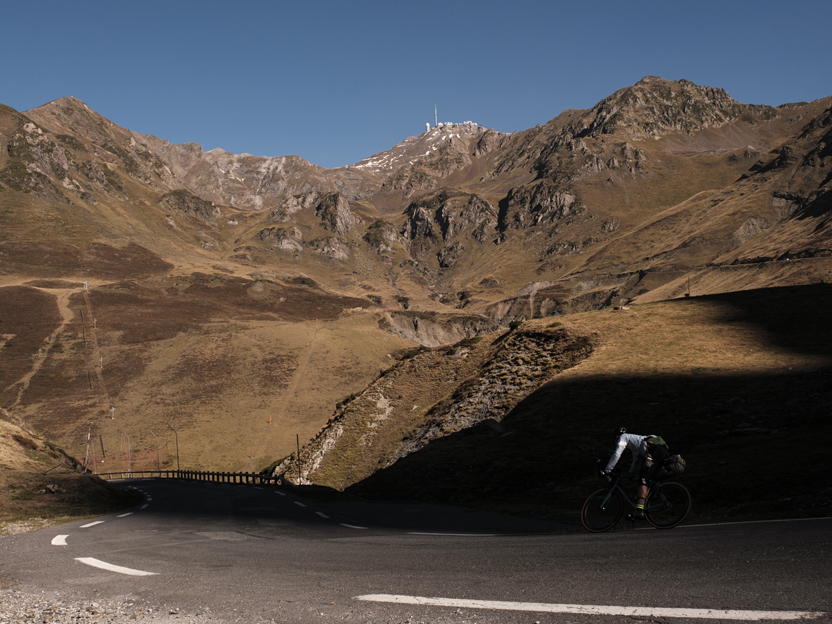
[{"x": 649, "y": 453}]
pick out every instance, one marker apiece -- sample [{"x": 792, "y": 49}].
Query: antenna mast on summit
[{"x": 435, "y": 117}]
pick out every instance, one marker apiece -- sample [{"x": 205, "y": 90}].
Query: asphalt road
[{"x": 241, "y": 553}]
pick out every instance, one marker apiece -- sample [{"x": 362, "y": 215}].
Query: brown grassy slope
[
  {"x": 739, "y": 384},
  {"x": 237, "y": 367},
  {"x": 30, "y": 470},
  {"x": 23, "y": 333}
]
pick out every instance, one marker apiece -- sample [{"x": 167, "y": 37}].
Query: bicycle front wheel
[
  {"x": 667, "y": 505},
  {"x": 602, "y": 510}
]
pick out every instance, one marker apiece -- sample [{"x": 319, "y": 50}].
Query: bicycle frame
[
  {"x": 616, "y": 487},
  {"x": 666, "y": 505}
]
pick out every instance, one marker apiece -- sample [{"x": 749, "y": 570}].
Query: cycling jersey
[{"x": 635, "y": 444}]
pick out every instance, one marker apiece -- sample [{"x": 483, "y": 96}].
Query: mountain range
[{"x": 178, "y": 288}]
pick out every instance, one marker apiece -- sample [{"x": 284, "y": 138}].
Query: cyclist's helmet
[{"x": 616, "y": 433}]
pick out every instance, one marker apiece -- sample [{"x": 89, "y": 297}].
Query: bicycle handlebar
[{"x": 616, "y": 472}]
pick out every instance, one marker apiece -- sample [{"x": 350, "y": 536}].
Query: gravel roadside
[{"x": 18, "y": 607}]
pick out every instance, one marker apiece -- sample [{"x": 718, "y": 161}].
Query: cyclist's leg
[
  {"x": 651, "y": 469},
  {"x": 641, "y": 494},
  {"x": 659, "y": 455},
  {"x": 645, "y": 468}
]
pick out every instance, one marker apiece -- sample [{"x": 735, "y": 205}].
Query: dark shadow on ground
[
  {"x": 249, "y": 509},
  {"x": 756, "y": 443}
]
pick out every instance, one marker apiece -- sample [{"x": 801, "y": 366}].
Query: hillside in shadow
[{"x": 755, "y": 437}]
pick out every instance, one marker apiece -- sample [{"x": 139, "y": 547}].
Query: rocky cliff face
[
  {"x": 522, "y": 363},
  {"x": 434, "y": 330},
  {"x": 654, "y": 107},
  {"x": 379, "y": 427},
  {"x": 332, "y": 213},
  {"x": 185, "y": 203},
  {"x": 438, "y": 225},
  {"x": 527, "y": 206},
  {"x": 448, "y": 148},
  {"x": 239, "y": 180}
]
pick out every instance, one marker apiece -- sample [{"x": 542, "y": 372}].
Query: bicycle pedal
[{"x": 631, "y": 518}]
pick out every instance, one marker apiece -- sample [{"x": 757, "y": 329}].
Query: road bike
[{"x": 666, "y": 505}]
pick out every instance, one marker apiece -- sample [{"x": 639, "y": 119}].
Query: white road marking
[
  {"x": 86, "y": 526},
  {"x": 711, "y": 614},
  {"x": 129, "y": 513},
  {"x": 455, "y": 534},
  {"x": 299, "y": 504},
  {"x": 321, "y": 514},
  {"x": 103, "y": 565},
  {"x": 352, "y": 526},
  {"x": 143, "y": 507},
  {"x": 279, "y": 492},
  {"x": 59, "y": 540},
  {"x": 690, "y": 526}
]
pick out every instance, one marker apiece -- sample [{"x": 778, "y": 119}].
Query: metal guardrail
[{"x": 247, "y": 478}]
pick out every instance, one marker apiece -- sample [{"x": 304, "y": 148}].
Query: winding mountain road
[{"x": 250, "y": 554}]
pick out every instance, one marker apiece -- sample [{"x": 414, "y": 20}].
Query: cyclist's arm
[{"x": 616, "y": 456}]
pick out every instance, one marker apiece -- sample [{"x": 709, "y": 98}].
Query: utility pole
[
  {"x": 87, "y": 458},
  {"x": 158, "y": 462},
  {"x": 435, "y": 117},
  {"x": 129, "y": 459},
  {"x": 177, "y": 446}
]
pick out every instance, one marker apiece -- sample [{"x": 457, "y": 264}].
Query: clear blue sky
[{"x": 337, "y": 81}]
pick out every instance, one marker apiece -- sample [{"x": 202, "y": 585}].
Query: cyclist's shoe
[{"x": 638, "y": 514}]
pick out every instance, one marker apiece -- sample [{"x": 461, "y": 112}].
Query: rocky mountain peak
[
  {"x": 71, "y": 116},
  {"x": 421, "y": 146},
  {"x": 654, "y": 107}
]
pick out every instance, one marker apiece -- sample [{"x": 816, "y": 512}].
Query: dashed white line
[
  {"x": 321, "y": 514},
  {"x": 103, "y": 565},
  {"x": 91, "y": 524},
  {"x": 59, "y": 540},
  {"x": 299, "y": 504},
  {"x": 710, "y": 614},
  {"x": 129, "y": 513},
  {"x": 279, "y": 492},
  {"x": 143, "y": 507},
  {"x": 352, "y": 526}
]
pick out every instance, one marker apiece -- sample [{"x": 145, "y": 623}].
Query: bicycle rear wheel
[
  {"x": 667, "y": 505},
  {"x": 602, "y": 510}
]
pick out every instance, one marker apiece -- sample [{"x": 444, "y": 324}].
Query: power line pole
[
  {"x": 129, "y": 459},
  {"x": 177, "y": 446},
  {"x": 158, "y": 462}
]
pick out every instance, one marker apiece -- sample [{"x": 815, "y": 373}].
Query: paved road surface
[{"x": 241, "y": 553}]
